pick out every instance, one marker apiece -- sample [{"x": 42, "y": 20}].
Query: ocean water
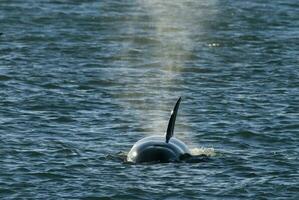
[{"x": 82, "y": 81}]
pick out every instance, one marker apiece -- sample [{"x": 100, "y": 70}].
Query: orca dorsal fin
[{"x": 171, "y": 123}]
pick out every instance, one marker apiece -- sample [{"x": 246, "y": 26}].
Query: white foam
[{"x": 203, "y": 151}]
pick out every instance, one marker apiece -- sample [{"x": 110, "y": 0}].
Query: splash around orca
[{"x": 160, "y": 149}]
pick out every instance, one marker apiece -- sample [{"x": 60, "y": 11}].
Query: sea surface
[{"x": 82, "y": 80}]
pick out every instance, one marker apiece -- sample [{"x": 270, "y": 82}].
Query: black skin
[
  {"x": 184, "y": 158},
  {"x": 194, "y": 159}
]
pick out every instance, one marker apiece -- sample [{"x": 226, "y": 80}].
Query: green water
[{"x": 82, "y": 81}]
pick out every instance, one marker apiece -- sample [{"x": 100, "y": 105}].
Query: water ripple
[{"x": 82, "y": 81}]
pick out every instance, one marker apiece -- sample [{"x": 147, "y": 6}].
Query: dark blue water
[{"x": 81, "y": 81}]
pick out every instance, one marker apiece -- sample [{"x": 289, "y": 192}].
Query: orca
[{"x": 160, "y": 149}]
